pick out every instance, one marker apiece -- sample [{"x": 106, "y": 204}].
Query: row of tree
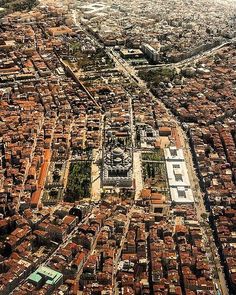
[{"x": 79, "y": 181}]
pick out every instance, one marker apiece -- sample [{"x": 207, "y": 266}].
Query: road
[
  {"x": 190, "y": 59},
  {"x": 91, "y": 252},
  {"x": 201, "y": 210},
  {"x": 95, "y": 177},
  {"x": 199, "y": 202},
  {"x": 132, "y": 70},
  {"x": 68, "y": 238},
  {"x": 137, "y": 170},
  {"x": 118, "y": 253}
]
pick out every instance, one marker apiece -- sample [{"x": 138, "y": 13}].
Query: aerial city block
[{"x": 117, "y": 147}]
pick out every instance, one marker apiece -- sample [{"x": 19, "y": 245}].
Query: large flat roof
[
  {"x": 174, "y": 154},
  {"x": 177, "y": 174},
  {"x": 184, "y": 195}
]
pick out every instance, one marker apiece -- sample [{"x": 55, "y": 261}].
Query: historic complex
[{"x": 117, "y": 147}]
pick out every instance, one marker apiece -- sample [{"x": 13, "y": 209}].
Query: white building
[
  {"x": 177, "y": 174},
  {"x": 180, "y": 189},
  {"x": 152, "y": 53},
  {"x": 173, "y": 154}
]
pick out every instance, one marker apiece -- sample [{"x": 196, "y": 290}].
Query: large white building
[
  {"x": 152, "y": 53},
  {"x": 180, "y": 190}
]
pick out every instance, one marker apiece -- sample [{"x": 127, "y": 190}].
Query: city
[{"x": 118, "y": 147}]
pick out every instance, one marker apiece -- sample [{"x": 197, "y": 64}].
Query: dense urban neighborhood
[{"x": 118, "y": 147}]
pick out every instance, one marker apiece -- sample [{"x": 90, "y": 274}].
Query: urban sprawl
[{"x": 118, "y": 148}]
